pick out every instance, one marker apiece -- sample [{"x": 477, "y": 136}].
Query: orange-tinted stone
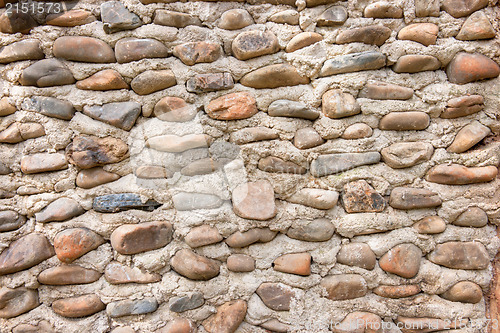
[
  {"x": 397, "y": 291},
  {"x": 79, "y": 306},
  {"x": 233, "y": 106},
  {"x": 467, "y": 67},
  {"x": 71, "y": 244},
  {"x": 108, "y": 79},
  {"x": 294, "y": 263},
  {"x": 228, "y": 317},
  {"x": 455, "y": 174},
  {"x": 403, "y": 260}
]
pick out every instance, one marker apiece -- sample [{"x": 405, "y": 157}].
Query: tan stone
[
  {"x": 228, "y": 318},
  {"x": 71, "y": 18},
  {"x": 430, "y": 225},
  {"x": 235, "y": 19},
  {"x": 67, "y": 275},
  {"x": 94, "y": 177},
  {"x": 405, "y": 121},
  {"x": 43, "y": 162},
  {"x": 277, "y": 165},
  {"x": 359, "y": 322},
  {"x": 461, "y": 8},
  {"x": 240, "y": 263},
  {"x": 256, "y": 235},
  {"x": 383, "y": 9},
  {"x": 273, "y": 76},
  {"x": 373, "y": 35},
  {"x": 5, "y": 107},
  {"x": 465, "y": 292},
  {"x": 276, "y": 296},
  {"x": 116, "y": 273},
  {"x": 304, "y": 39},
  {"x": 403, "y": 260},
  {"x": 472, "y": 217},
  {"x": 406, "y": 154},
  {"x": 174, "y": 109},
  {"x": 460, "y": 255},
  {"x": 247, "y": 135},
  {"x": 153, "y": 80},
  {"x": 254, "y": 200},
  {"x": 152, "y": 172},
  {"x": 423, "y": 33},
  {"x": 203, "y": 235},
  {"x": 357, "y": 131},
  {"x": 357, "y": 254},
  {"x": 337, "y": 104},
  {"x": 179, "y": 325},
  {"x": 344, "y": 286},
  {"x": 414, "y": 63},
  {"x": 477, "y": 26},
  {"x": 397, "y": 291},
  {"x": 25, "y": 252},
  {"x": 17, "y": 301},
  {"x": 84, "y": 49},
  {"x": 306, "y": 138},
  {"x": 455, "y": 174},
  {"x": 79, "y": 306},
  {"x": 251, "y": 44},
  {"x": 178, "y": 144},
  {"x": 463, "y": 106},
  {"x": 194, "y": 266},
  {"x": 316, "y": 198},
  {"x": 136, "y": 238}
]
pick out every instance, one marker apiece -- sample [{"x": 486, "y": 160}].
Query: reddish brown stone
[
  {"x": 79, "y": 306},
  {"x": 94, "y": 177},
  {"x": 360, "y": 197},
  {"x": 397, "y": 291},
  {"x": 26, "y": 252},
  {"x": 403, "y": 260},
  {"x": 108, "y": 79},
  {"x": 179, "y": 325},
  {"x": 133, "y": 49},
  {"x": 90, "y": 151},
  {"x": 228, "y": 317},
  {"x": 467, "y": 67},
  {"x": 477, "y": 26},
  {"x": 423, "y": 33},
  {"x": 294, "y": 263},
  {"x": 463, "y": 106},
  {"x": 84, "y": 49},
  {"x": 194, "y": 266},
  {"x": 405, "y": 121},
  {"x": 136, "y": 238},
  {"x": 17, "y": 301},
  {"x": 240, "y": 263},
  {"x": 274, "y": 76},
  {"x": 197, "y": 52},
  {"x": 460, "y": 255},
  {"x": 455, "y": 174},
  {"x": 68, "y": 274},
  {"x": 233, "y": 106},
  {"x": 73, "y": 243},
  {"x": 414, "y": 63},
  {"x": 254, "y": 201},
  {"x": 71, "y": 18},
  {"x": 468, "y": 137},
  {"x": 276, "y": 296},
  {"x": 460, "y": 8}
]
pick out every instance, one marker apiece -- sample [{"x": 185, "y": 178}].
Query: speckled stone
[
  {"x": 251, "y": 44},
  {"x": 361, "y": 197},
  {"x": 357, "y": 254},
  {"x": 274, "y": 76},
  {"x": 88, "y": 151},
  {"x": 113, "y": 203},
  {"x": 235, "y": 19},
  {"x": 203, "y": 83}
]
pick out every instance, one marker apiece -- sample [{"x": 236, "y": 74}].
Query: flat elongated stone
[
  {"x": 337, "y": 104},
  {"x": 251, "y": 44},
  {"x": 90, "y": 151},
  {"x": 94, "y": 177},
  {"x": 397, "y": 291},
  {"x": 152, "y": 172},
  {"x": 460, "y": 255},
  {"x": 360, "y": 197},
  {"x": 203, "y": 166},
  {"x": 456, "y": 174},
  {"x": 461, "y": 8},
  {"x": 468, "y": 136},
  {"x": 59, "y": 210},
  {"x": 306, "y": 138},
  {"x": 137, "y": 238},
  {"x": 203, "y": 235},
  {"x": 11, "y": 220},
  {"x": 175, "y": 19},
  {"x": 233, "y": 106},
  {"x": 188, "y": 302},
  {"x": 357, "y": 131},
  {"x": 179, "y": 325},
  {"x": 357, "y": 254},
  {"x": 463, "y": 106},
  {"x": 28, "y": 49},
  {"x": 276, "y": 296},
  {"x": 277, "y": 165},
  {"x": 50, "y": 107},
  {"x": 5, "y": 107},
  {"x": 73, "y": 243},
  {"x": 197, "y": 52},
  {"x": 425, "y": 8},
  {"x": 274, "y": 325},
  {"x": 273, "y": 76},
  {"x": 413, "y": 198},
  {"x": 406, "y": 154},
  {"x": 304, "y": 39},
  {"x": 403, "y": 260},
  {"x": 240, "y": 263},
  {"x": 129, "y": 307},
  {"x": 430, "y": 225},
  {"x": 256, "y": 235},
  {"x": 210, "y": 82},
  {"x": 235, "y": 19},
  {"x": 254, "y": 200},
  {"x": 414, "y": 63},
  {"x": 330, "y": 164},
  {"x": 17, "y": 301},
  {"x": 71, "y": 18},
  {"x": 68, "y": 274},
  {"x": 113, "y": 203},
  {"x": 373, "y": 34},
  {"x": 288, "y": 16},
  {"x": 79, "y": 306},
  {"x": 151, "y": 81},
  {"x": 120, "y": 114},
  {"x": 423, "y": 33},
  {"x": 116, "y": 17},
  {"x": 382, "y": 91},
  {"x": 477, "y": 26},
  {"x": 405, "y": 121},
  {"x": 333, "y": 16},
  {"x": 353, "y": 62},
  {"x": 344, "y": 286},
  {"x": 178, "y": 144},
  {"x": 43, "y": 162},
  {"x": 465, "y": 292},
  {"x": 194, "y": 266},
  {"x": 116, "y": 273},
  {"x": 133, "y": 49},
  {"x": 228, "y": 317},
  {"x": 288, "y": 108},
  {"x": 472, "y": 217},
  {"x": 294, "y": 263},
  {"x": 318, "y": 230},
  {"x": 174, "y": 109},
  {"x": 184, "y": 201},
  {"x": 14, "y": 21},
  {"x": 108, "y": 79},
  {"x": 84, "y": 49},
  {"x": 247, "y": 135},
  {"x": 471, "y": 67},
  {"x": 383, "y": 9},
  {"x": 316, "y": 198},
  {"x": 46, "y": 73}
]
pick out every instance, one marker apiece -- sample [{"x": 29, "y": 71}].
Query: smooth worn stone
[
  {"x": 403, "y": 260},
  {"x": 306, "y": 138},
  {"x": 353, "y": 62},
  {"x": 4, "y": 169},
  {"x": 90, "y": 151},
  {"x": 330, "y": 164},
  {"x": 178, "y": 144},
  {"x": 43, "y": 162},
  {"x": 71, "y": 244},
  {"x": 406, "y": 154},
  {"x": 50, "y": 107},
  {"x": 203, "y": 166},
  {"x": 108, "y": 79},
  {"x": 15, "y": 21},
  {"x": 456, "y": 174},
  {"x": 429, "y": 324},
  {"x": 357, "y": 254},
  {"x": 179, "y": 325},
  {"x": 11, "y": 134},
  {"x": 413, "y": 198},
  {"x": 79, "y": 306},
  {"x": 254, "y": 134},
  {"x": 314, "y": 197},
  {"x": 460, "y": 255},
  {"x": 275, "y": 325},
  {"x": 202, "y": 83},
  {"x": 424, "y": 8},
  {"x": 397, "y": 291},
  {"x": 360, "y": 197},
  {"x": 133, "y": 49},
  {"x": 17, "y": 301},
  {"x": 42, "y": 327},
  {"x": 288, "y": 108},
  {"x": 471, "y": 67},
  {"x": 18, "y": 132},
  {"x": 46, "y": 73},
  {"x": 175, "y": 19},
  {"x": 233, "y": 106},
  {"x": 116, "y": 17},
  {"x": 116, "y": 273},
  {"x": 276, "y": 296},
  {"x": 184, "y": 201},
  {"x": 142, "y": 237},
  {"x": 235, "y": 19},
  {"x": 477, "y": 26},
  {"x": 373, "y": 34},
  {"x": 84, "y": 49},
  {"x": 383, "y": 9},
  {"x": 59, "y": 210},
  {"x": 405, "y": 121},
  {"x": 304, "y": 39},
  {"x": 382, "y": 91},
  {"x": 463, "y": 106},
  {"x": 120, "y": 114},
  {"x": 274, "y": 76},
  {"x": 359, "y": 322},
  {"x": 293, "y": 263},
  {"x": 90, "y": 178},
  {"x": 68, "y": 274},
  {"x": 6, "y": 108},
  {"x": 357, "y": 131},
  {"x": 256, "y": 235},
  {"x": 254, "y": 200},
  {"x": 337, "y": 104},
  {"x": 468, "y": 137},
  {"x": 251, "y": 44},
  {"x": 28, "y": 49},
  {"x": 113, "y": 203},
  {"x": 152, "y": 172},
  {"x": 464, "y": 292},
  {"x": 333, "y": 16},
  {"x": 277, "y": 165},
  {"x": 151, "y": 81},
  {"x": 414, "y": 63},
  {"x": 203, "y": 235},
  {"x": 472, "y": 217},
  {"x": 11, "y": 220},
  {"x": 228, "y": 317},
  {"x": 461, "y": 8},
  {"x": 71, "y": 18},
  {"x": 344, "y": 286},
  {"x": 194, "y": 266},
  {"x": 423, "y": 33},
  {"x": 129, "y": 307},
  {"x": 240, "y": 263},
  {"x": 430, "y": 225},
  {"x": 318, "y": 230},
  {"x": 188, "y": 302},
  {"x": 174, "y": 109},
  {"x": 288, "y": 16},
  {"x": 197, "y": 52}
]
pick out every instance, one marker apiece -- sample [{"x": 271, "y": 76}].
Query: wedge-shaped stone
[
  {"x": 423, "y": 33},
  {"x": 277, "y": 165},
  {"x": 194, "y": 266},
  {"x": 46, "y": 73},
  {"x": 304, "y": 39},
  {"x": 71, "y": 18},
  {"x": 15, "y": 302},
  {"x": 414, "y": 63},
  {"x": 184, "y": 201},
  {"x": 11, "y": 220},
  {"x": 373, "y": 34},
  {"x": 318, "y": 230},
  {"x": 175, "y": 19},
  {"x": 403, "y": 260},
  {"x": 78, "y": 306},
  {"x": 397, "y": 291},
  {"x": 59, "y": 210},
  {"x": 477, "y": 26},
  {"x": 151, "y": 81},
  {"x": 120, "y": 114},
  {"x": 116, "y": 273},
  {"x": 197, "y": 52},
  {"x": 228, "y": 318},
  {"x": 465, "y": 292},
  {"x": 185, "y": 303},
  {"x": 254, "y": 200},
  {"x": 276, "y": 296},
  {"x": 5, "y": 107},
  {"x": 235, "y": 19},
  {"x": 18, "y": 132},
  {"x": 406, "y": 154},
  {"x": 28, "y": 49},
  {"x": 94, "y": 177},
  {"x": 71, "y": 244},
  {"x": 330, "y": 164},
  {"x": 405, "y": 121},
  {"x": 251, "y": 44},
  {"x": 274, "y": 76},
  {"x": 383, "y": 9},
  {"x": 116, "y": 17},
  {"x": 68, "y": 274},
  {"x": 142, "y": 237},
  {"x": 256, "y": 235},
  {"x": 316, "y": 198},
  {"x": 353, "y": 62},
  {"x": 357, "y": 254},
  {"x": 333, "y": 16},
  {"x": 84, "y": 49},
  {"x": 461, "y": 8},
  {"x": 382, "y": 90},
  {"x": 178, "y": 144},
  {"x": 26, "y": 252},
  {"x": 202, "y": 83},
  {"x": 233, "y": 106},
  {"x": 108, "y": 79},
  {"x": 288, "y": 108},
  {"x": 413, "y": 198},
  {"x": 344, "y": 286},
  {"x": 471, "y": 67},
  {"x": 50, "y": 107},
  {"x": 430, "y": 225},
  {"x": 43, "y": 162},
  {"x": 360, "y": 197},
  {"x": 133, "y": 49},
  {"x": 460, "y": 255},
  {"x": 130, "y": 307},
  {"x": 174, "y": 109},
  {"x": 456, "y": 174},
  {"x": 468, "y": 136},
  {"x": 113, "y": 203},
  {"x": 463, "y": 106},
  {"x": 90, "y": 151},
  {"x": 294, "y": 263},
  {"x": 240, "y": 263},
  {"x": 247, "y": 135},
  {"x": 472, "y": 217}
]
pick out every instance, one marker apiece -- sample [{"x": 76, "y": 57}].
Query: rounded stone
[
  {"x": 304, "y": 39},
  {"x": 251, "y": 44},
  {"x": 116, "y": 273},
  {"x": 277, "y": 165},
  {"x": 179, "y": 325},
  {"x": 472, "y": 217},
  {"x": 136, "y": 238},
  {"x": 461, "y": 8},
  {"x": 15, "y": 21},
  {"x": 276, "y": 296},
  {"x": 84, "y": 49},
  {"x": 108, "y": 79},
  {"x": 464, "y": 292},
  {"x": 255, "y": 235},
  {"x": 357, "y": 254},
  {"x": 318, "y": 230},
  {"x": 397, "y": 291},
  {"x": 306, "y": 138},
  {"x": 17, "y": 301},
  {"x": 153, "y": 80},
  {"x": 456, "y": 174},
  {"x": 132, "y": 49},
  {"x": 240, "y": 263},
  {"x": 471, "y": 67},
  {"x": 274, "y": 76},
  {"x": 468, "y": 137},
  {"x": 68, "y": 275},
  {"x": 94, "y": 177},
  {"x": 174, "y": 109},
  {"x": 28, "y": 49},
  {"x": 288, "y": 16},
  {"x": 194, "y": 266},
  {"x": 405, "y": 121},
  {"x": 73, "y": 243},
  {"x": 403, "y": 260},
  {"x": 383, "y": 9},
  {"x": 357, "y": 131},
  {"x": 228, "y": 318},
  {"x": 254, "y": 200},
  {"x": 344, "y": 286},
  {"x": 423, "y": 33},
  {"x": 71, "y": 18},
  {"x": 406, "y": 154},
  {"x": 79, "y": 306},
  {"x": 235, "y": 19},
  {"x": 203, "y": 235},
  {"x": 460, "y": 255},
  {"x": 197, "y": 52},
  {"x": 333, "y": 16},
  {"x": 233, "y": 106},
  {"x": 373, "y": 35},
  {"x": 46, "y": 73},
  {"x": 414, "y": 63},
  {"x": 337, "y": 104},
  {"x": 477, "y": 26},
  {"x": 430, "y": 225}
]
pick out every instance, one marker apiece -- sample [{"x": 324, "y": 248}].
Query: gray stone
[
  {"x": 202, "y": 83},
  {"x": 120, "y": 114},
  {"x": 277, "y": 165},
  {"x": 133, "y": 49},
  {"x": 247, "y": 135},
  {"x": 337, "y": 104},
  {"x": 405, "y": 121},
  {"x": 185, "y": 303},
  {"x": 50, "y": 107},
  {"x": 318, "y": 230},
  {"x": 175, "y": 19},
  {"x": 28, "y": 49},
  {"x": 17, "y": 301},
  {"x": 276, "y": 296},
  {"x": 11, "y": 220},
  {"x": 333, "y": 16},
  {"x": 357, "y": 254},
  {"x": 13, "y": 21},
  {"x": 131, "y": 307},
  {"x": 468, "y": 137},
  {"x": 413, "y": 198},
  {"x": 344, "y": 286},
  {"x": 4, "y": 169},
  {"x": 251, "y": 44},
  {"x": 400, "y": 291},
  {"x": 460, "y": 255},
  {"x": 353, "y": 62},
  {"x": 194, "y": 266},
  {"x": 46, "y": 73},
  {"x": 59, "y": 210},
  {"x": 325, "y": 165},
  {"x": 287, "y": 108},
  {"x": 235, "y": 19},
  {"x": 192, "y": 201},
  {"x": 382, "y": 91},
  {"x": 113, "y": 203},
  {"x": 116, "y": 17},
  {"x": 472, "y": 217},
  {"x": 425, "y": 8},
  {"x": 406, "y": 154},
  {"x": 306, "y": 138},
  {"x": 315, "y": 197}
]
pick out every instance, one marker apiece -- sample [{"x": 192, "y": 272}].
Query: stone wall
[{"x": 290, "y": 166}]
